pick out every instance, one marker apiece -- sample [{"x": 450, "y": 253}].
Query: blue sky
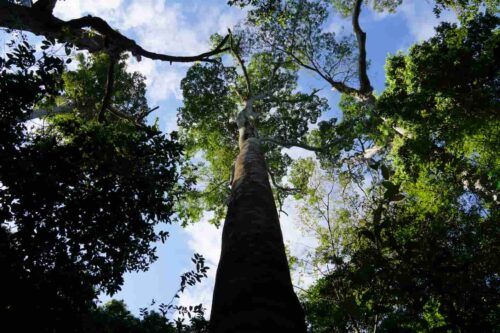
[{"x": 182, "y": 27}]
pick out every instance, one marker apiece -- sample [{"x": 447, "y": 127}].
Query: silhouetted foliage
[
  {"x": 113, "y": 317},
  {"x": 79, "y": 199}
]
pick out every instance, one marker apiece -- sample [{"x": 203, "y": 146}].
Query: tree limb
[
  {"x": 241, "y": 63},
  {"x": 45, "y": 5},
  {"x": 120, "y": 114},
  {"x": 280, "y": 202},
  {"x": 340, "y": 86},
  {"x": 289, "y": 144},
  {"x": 103, "y": 37},
  {"x": 279, "y": 187},
  {"x": 365, "y": 90},
  {"x": 364, "y": 82},
  {"x": 143, "y": 115},
  {"x": 108, "y": 90}
]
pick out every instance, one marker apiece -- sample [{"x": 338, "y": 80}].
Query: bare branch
[
  {"x": 365, "y": 86},
  {"x": 289, "y": 144},
  {"x": 279, "y": 187},
  {"x": 237, "y": 55},
  {"x": 146, "y": 113},
  {"x": 102, "y": 37},
  {"x": 132, "y": 119},
  {"x": 338, "y": 85}
]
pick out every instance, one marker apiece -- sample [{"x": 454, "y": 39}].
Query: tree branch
[
  {"x": 278, "y": 198},
  {"x": 340, "y": 86},
  {"x": 241, "y": 63},
  {"x": 289, "y": 144},
  {"x": 45, "y": 5},
  {"x": 40, "y": 21},
  {"x": 120, "y": 114},
  {"x": 108, "y": 90},
  {"x": 279, "y": 187},
  {"x": 143, "y": 115},
  {"x": 365, "y": 86}
]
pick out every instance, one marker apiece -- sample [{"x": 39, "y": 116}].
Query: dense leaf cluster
[
  {"x": 84, "y": 87},
  {"x": 421, "y": 255},
  {"x": 79, "y": 199}
]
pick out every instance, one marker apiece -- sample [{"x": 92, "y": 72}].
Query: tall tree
[
  {"x": 230, "y": 110},
  {"x": 426, "y": 145}
]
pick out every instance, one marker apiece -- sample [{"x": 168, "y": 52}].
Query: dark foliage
[{"x": 79, "y": 199}]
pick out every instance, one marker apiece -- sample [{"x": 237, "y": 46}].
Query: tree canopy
[
  {"x": 404, "y": 196},
  {"x": 401, "y": 192},
  {"x": 80, "y": 198}
]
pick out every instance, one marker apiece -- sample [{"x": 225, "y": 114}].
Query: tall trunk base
[{"x": 253, "y": 290}]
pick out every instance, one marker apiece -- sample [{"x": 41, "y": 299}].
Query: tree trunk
[{"x": 253, "y": 290}]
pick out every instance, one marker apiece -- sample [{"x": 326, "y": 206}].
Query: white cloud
[
  {"x": 223, "y": 19},
  {"x": 162, "y": 80},
  {"x": 205, "y": 239},
  {"x": 336, "y": 23},
  {"x": 71, "y": 9},
  {"x": 421, "y": 20},
  {"x": 68, "y": 9},
  {"x": 335, "y": 27},
  {"x": 165, "y": 84},
  {"x": 138, "y": 14},
  {"x": 296, "y": 152},
  {"x": 162, "y": 27}
]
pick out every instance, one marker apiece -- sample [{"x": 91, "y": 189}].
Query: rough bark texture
[{"x": 253, "y": 290}]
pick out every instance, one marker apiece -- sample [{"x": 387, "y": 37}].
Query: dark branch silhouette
[
  {"x": 40, "y": 20},
  {"x": 364, "y": 82},
  {"x": 45, "y": 5}
]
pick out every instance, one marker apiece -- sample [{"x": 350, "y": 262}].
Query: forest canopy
[{"x": 397, "y": 184}]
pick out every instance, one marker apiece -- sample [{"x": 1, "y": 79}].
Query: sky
[{"x": 183, "y": 27}]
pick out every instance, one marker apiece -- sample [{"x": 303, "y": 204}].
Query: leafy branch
[{"x": 187, "y": 279}]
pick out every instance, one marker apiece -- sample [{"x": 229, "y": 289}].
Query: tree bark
[{"x": 253, "y": 289}]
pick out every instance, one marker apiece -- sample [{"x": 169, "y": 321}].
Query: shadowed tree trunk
[{"x": 253, "y": 290}]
